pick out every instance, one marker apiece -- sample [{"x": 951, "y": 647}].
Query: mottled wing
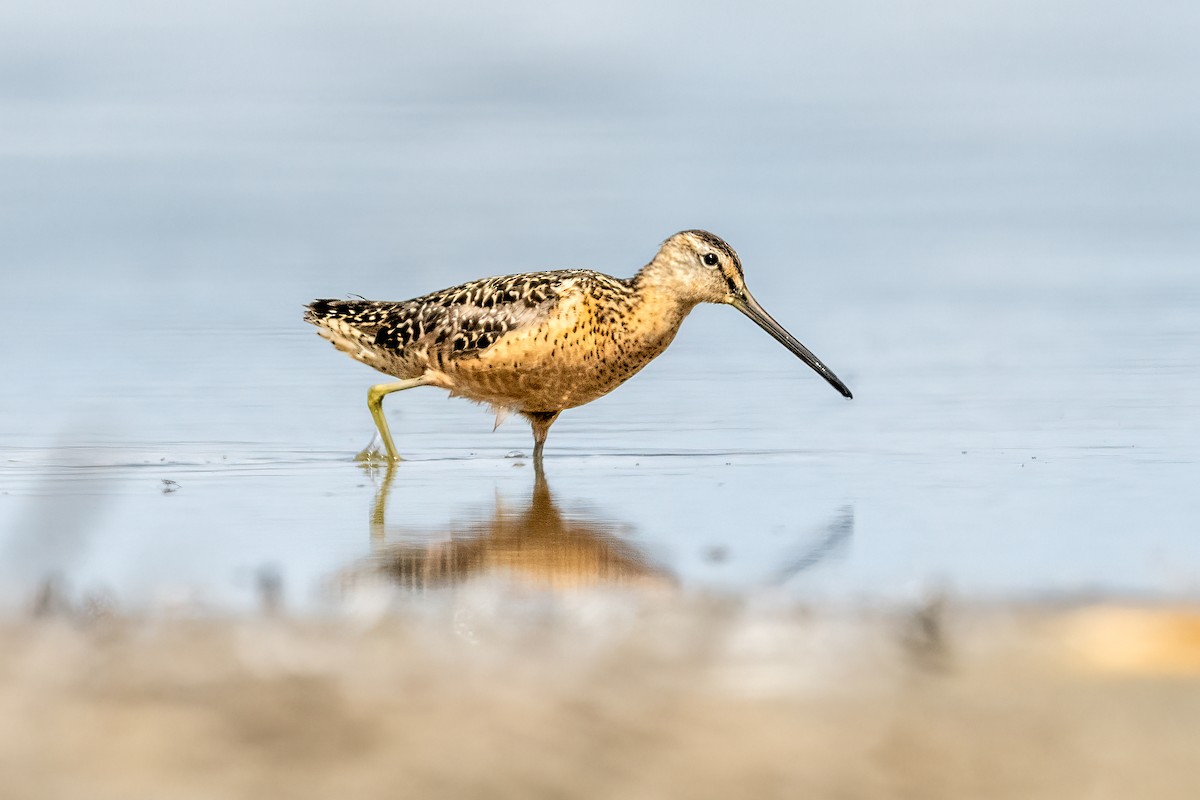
[
  {"x": 472, "y": 317},
  {"x": 452, "y": 323}
]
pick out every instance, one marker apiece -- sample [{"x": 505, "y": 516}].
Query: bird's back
[
  {"x": 445, "y": 334},
  {"x": 403, "y": 338}
]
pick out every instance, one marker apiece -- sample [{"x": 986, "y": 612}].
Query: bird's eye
[{"x": 710, "y": 259}]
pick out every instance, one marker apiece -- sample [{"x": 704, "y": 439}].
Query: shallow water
[{"x": 988, "y": 228}]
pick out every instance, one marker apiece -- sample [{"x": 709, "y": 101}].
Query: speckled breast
[{"x": 582, "y": 352}]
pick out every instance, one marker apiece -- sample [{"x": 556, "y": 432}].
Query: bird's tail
[
  {"x": 318, "y": 312},
  {"x": 350, "y": 325}
]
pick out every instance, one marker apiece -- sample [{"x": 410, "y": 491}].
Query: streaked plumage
[{"x": 541, "y": 342}]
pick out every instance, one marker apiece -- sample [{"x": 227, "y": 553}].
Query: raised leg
[{"x": 375, "y": 397}]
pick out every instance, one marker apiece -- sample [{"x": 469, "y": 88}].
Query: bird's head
[{"x": 698, "y": 267}]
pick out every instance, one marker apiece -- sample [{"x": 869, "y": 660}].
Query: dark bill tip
[{"x": 750, "y": 307}]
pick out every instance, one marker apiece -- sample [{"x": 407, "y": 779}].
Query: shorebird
[{"x": 538, "y": 343}]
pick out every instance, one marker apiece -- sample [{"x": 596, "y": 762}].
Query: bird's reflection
[
  {"x": 537, "y": 545},
  {"x": 832, "y": 537}
]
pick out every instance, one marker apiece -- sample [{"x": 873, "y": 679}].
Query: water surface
[{"x": 983, "y": 219}]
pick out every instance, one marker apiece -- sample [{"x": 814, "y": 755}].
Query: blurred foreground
[{"x": 493, "y": 691}]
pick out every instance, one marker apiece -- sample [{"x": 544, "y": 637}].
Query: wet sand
[{"x": 493, "y": 691}]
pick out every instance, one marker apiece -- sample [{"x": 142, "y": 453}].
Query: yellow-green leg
[{"x": 375, "y": 397}]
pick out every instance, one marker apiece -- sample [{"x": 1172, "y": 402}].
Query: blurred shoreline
[{"x": 495, "y": 692}]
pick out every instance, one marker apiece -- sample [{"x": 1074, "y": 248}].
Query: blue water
[{"x": 985, "y": 218}]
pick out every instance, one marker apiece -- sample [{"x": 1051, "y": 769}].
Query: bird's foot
[{"x": 373, "y": 455}]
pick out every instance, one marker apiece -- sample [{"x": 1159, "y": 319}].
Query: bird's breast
[{"x": 582, "y": 350}]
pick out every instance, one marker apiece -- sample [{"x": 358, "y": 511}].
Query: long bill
[{"x": 746, "y": 304}]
